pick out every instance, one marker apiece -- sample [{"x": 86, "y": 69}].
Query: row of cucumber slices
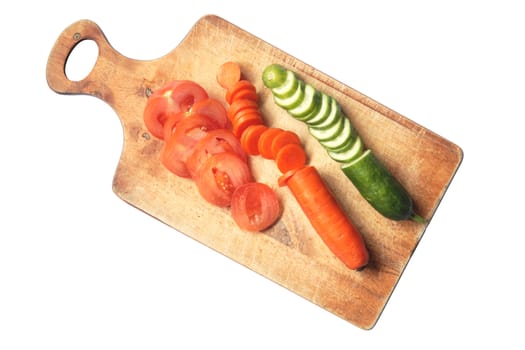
[
  {"x": 327, "y": 123},
  {"x": 322, "y": 113}
]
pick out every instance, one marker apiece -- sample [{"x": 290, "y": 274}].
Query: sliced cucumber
[
  {"x": 294, "y": 100},
  {"x": 341, "y": 138},
  {"x": 274, "y": 75},
  {"x": 328, "y": 124},
  {"x": 322, "y": 113},
  {"x": 308, "y": 105},
  {"x": 288, "y": 87},
  {"x": 331, "y": 119},
  {"x": 349, "y": 154},
  {"x": 329, "y": 133}
]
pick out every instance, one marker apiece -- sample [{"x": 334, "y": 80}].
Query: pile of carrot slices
[{"x": 284, "y": 147}]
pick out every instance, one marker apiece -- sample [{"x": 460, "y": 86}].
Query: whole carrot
[{"x": 326, "y": 216}]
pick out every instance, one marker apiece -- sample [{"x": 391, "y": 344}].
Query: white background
[{"x": 80, "y": 269}]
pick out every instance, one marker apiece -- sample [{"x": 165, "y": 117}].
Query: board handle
[{"x": 92, "y": 84}]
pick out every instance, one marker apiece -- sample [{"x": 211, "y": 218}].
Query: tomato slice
[
  {"x": 186, "y": 94},
  {"x": 179, "y": 146},
  {"x": 168, "y": 101},
  {"x": 171, "y": 122},
  {"x": 158, "y": 109},
  {"x": 212, "y": 108},
  {"x": 220, "y": 175},
  {"x": 255, "y": 206},
  {"x": 216, "y": 141},
  {"x": 167, "y": 88}
]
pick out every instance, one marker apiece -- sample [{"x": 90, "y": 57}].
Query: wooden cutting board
[{"x": 290, "y": 253}]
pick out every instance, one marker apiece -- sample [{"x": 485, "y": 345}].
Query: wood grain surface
[{"x": 290, "y": 253}]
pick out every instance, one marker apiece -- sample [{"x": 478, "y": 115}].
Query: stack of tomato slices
[{"x": 199, "y": 144}]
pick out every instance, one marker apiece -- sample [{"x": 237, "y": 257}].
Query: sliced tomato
[
  {"x": 216, "y": 141},
  {"x": 157, "y": 111},
  {"x": 167, "y": 88},
  {"x": 170, "y": 124},
  {"x": 179, "y": 146},
  {"x": 212, "y": 108},
  {"x": 220, "y": 176},
  {"x": 255, "y": 206},
  {"x": 186, "y": 94},
  {"x": 168, "y": 101}
]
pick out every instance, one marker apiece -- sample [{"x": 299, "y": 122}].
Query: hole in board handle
[{"x": 81, "y": 60}]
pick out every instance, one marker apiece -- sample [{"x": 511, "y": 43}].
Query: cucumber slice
[
  {"x": 379, "y": 187},
  {"x": 308, "y": 105},
  {"x": 340, "y": 139},
  {"x": 274, "y": 75},
  {"x": 349, "y": 154},
  {"x": 332, "y": 118},
  {"x": 294, "y": 100},
  {"x": 287, "y": 88},
  {"x": 322, "y": 113},
  {"x": 329, "y": 133}
]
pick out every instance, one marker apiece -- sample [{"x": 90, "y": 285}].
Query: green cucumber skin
[{"x": 379, "y": 187}]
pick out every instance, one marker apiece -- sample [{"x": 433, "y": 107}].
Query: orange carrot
[
  {"x": 282, "y": 139},
  {"x": 241, "y": 89},
  {"x": 326, "y": 216},
  {"x": 228, "y": 74},
  {"x": 250, "y": 139},
  {"x": 290, "y": 156},
  {"x": 240, "y": 104},
  {"x": 240, "y": 124},
  {"x": 265, "y": 142}
]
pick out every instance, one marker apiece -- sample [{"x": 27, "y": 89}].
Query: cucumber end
[
  {"x": 418, "y": 219},
  {"x": 274, "y": 75}
]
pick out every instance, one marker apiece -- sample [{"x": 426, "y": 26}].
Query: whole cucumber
[
  {"x": 379, "y": 187},
  {"x": 371, "y": 178}
]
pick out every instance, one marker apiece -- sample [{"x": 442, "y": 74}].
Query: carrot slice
[
  {"x": 228, "y": 74},
  {"x": 248, "y": 94},
  {"x": 246, "y": 111},
  {"x": 282, "y": 139},
  {"x": 250, "y": 138},
  {"x": 291, "y": 156},
  {"x": 327, "y": 218},
  {"x": 245, "y": 121},
  {"x": 239, "y": 105},
  {"x": 242, "y": 87},
  {"x": 265, "y": 142}
]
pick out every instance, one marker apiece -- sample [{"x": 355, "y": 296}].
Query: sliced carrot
[
  {"x": 239, "y": 105},
  {"x": 265, "y": 142},
  {"x": 240, "y": 124},
  {"x": 228, "y": 74},
  {"x": 245, "y": 111},
  {"x": 250, "y": 138},
  {"x": 246, "y": 94},
  {"x": 291, "y": 156},
  {"x": 239, "y": 89},
  {"x": 327, "y": 218},
  {"x": 282, "y": 139}
]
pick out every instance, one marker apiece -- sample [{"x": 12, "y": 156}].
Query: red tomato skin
[
  {"x": 220, "y": 175},
  {"x": 179, "y": 146},
  {"x": 255, "y": 206},
  {"x": 216, "y": 141}
]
